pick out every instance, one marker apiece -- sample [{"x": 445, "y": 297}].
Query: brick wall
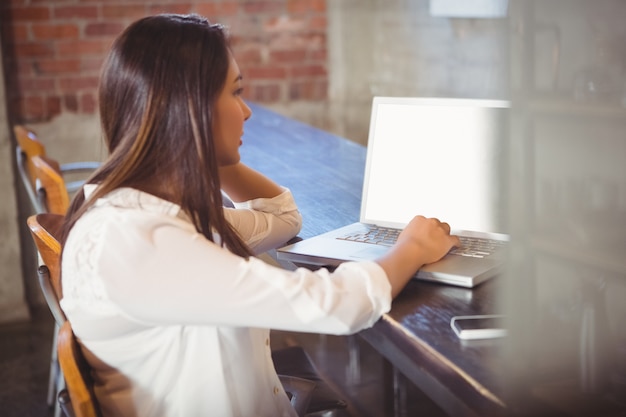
[{"x": 53, "y": 49}]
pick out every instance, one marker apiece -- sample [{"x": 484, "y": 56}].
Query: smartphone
[{"x": 487, "y": 326}]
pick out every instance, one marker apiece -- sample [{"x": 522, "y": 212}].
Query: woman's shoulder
[{"x": 129, "y": 211}]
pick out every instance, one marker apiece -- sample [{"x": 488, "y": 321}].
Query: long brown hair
[{"x": 157, "y": 91}]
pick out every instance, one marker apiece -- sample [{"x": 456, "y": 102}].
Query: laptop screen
[{"x": 437, "y": 157}]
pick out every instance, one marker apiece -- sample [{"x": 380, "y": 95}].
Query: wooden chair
[
  {"x": 51, "y": 197},
  {"x": 45, "y": 229},
  {"x": 29, "y": 146},
  {"x": 50, "y": 187},
  {"x": 56, "y": 382},
  {"x": 78, "y": 400}
]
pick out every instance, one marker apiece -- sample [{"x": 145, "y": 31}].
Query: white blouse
[{"x": 175, "y": 325}]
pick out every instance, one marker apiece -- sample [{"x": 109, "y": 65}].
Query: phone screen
[{"x": 479, "y": 327}]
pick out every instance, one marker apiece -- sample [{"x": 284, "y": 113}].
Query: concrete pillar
[{"x": 13, "y": 306}]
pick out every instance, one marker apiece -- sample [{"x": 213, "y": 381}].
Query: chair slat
[{"x": 77, "y": 373}]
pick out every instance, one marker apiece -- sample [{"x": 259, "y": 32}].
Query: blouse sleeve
[
  {"x": 161, "y": 272},
  {"x": 266, "y": 223}
]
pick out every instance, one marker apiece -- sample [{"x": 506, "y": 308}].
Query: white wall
[{"x": 395, "y": 47}]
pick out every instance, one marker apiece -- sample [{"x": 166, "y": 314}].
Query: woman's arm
[
  {"x": 265, "y": 214},
  {"x": 423, "y": 241},
  {"x": 243, "y": 183},
  {"x": 266, "y": 223}
]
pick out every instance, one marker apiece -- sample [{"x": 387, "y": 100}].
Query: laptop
[{"x": 438, "y": 157}]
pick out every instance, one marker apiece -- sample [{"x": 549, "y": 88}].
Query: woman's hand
[
  {"x": 423, "y": 241},
  {"x": 430, "y": 237}
]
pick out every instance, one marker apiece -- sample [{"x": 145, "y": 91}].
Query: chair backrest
[
  {"x": 50, "y": 186},
  {"x": 45, "y": 228},
  {"x": 77, "y": 374},
  {"x": 30, "y": 146},
  {"x": 27, "y": 147}
]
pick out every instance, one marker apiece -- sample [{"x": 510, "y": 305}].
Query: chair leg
[
  {"x": 56, "y": 381},
  {"x": 54, "y": 369},
  {"x": 58, "y": 411}
]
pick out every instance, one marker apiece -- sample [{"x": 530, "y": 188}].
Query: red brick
[
  {"x": 308, "y": 90},
  {"x": 77, "y": 83},
  {"x": 308, "y": 70},
  {"x": 228, "y": 8},
  {"x": 216, "y": 9},
  {"x": 248, "y": 56},
  {"x": 132, "y": 11},
  {"x": 53, "y": 106},
  {"x": 7, "y": 4},
  {"x": 268, "y": 6},
  {"x": 91, "y": 65},
  {"x": 29, "y": 14},
  {"x": 265, "y": 72},
  {"x": 264, "y": 93},
  {"x": 107, "y": 29},
  {"x": 54, "y": 31},
  {"x": 57, "y": 66},
  {"x": 31, "y": 108},
  {"x": 266, "y": 38},
  {"x": 34, "y": 50},
  {"x": 83, "y": 47},
  {"x": 180, "y": 8},
  {"x": 244, "y": 26},
  {"x": 314, "y": 40},
  {"x": 72, "y": 12},
  {"x": 306, "y": 6},
  {"x": 320, "y": 55},
  {"x": 286, "y": 41},
  {"x": 207, "y": 9},
  {"x": 318, "y": 5},
  {"x": 282, "y": 24},
  {"x": 36, "y": 84},
  {"x": 15, "y": 32},
  {"x": 25, "y": 67},
  {"x": 70, "y": 102},
  {"x": 88, "y": 103},
  {"x": 318, "y": 23},
  {"x": 297, "y": 6},
  {"x": 288, "y": 56}
]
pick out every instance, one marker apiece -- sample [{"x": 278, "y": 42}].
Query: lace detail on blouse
[{"x": 84, "y": 288}]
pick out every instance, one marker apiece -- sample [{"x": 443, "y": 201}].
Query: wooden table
[
  {"x": 325, "y": 174},
  {"x": 416, "y": 337}
]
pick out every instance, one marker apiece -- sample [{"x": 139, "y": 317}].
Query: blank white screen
[{"x": 438, "y": 158}]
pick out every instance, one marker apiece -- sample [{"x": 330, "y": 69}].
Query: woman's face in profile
[{"x": 230, "y": 114}]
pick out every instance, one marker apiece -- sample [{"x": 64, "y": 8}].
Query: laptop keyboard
[
  {"x": 476, "y": 247},
  {"x": 470, "y": 246},
  {"x": 376, "y": 235}
]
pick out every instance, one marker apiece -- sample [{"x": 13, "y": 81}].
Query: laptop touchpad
[{"x": 371, "y": 253}]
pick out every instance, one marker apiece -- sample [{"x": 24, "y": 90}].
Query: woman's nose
[{"x": 246, "y": 110}]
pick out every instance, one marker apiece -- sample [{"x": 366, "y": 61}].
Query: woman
[{"x": 159, "y": 281}]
